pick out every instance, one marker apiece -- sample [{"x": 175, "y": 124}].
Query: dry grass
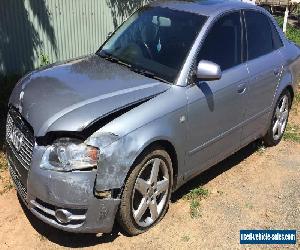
[
  {"x": 292, "y": 133},
  {"x": 5, "y": 181},
  {"x": 3, "y": 163}
]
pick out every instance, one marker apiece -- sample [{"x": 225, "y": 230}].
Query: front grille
[
  {"x": 19, "y": 186},
  {"x": 24, "y": 153}
]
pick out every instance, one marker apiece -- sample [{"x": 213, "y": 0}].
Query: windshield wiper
[
  {"x": 113, "y": 59},
  {"x": 147, "y": 74},
  {"x": 135, "y": 69}
]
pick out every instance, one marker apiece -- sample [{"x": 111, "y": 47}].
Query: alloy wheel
[
  {"x": 150, "y": 192},
  {"x": 280, "y": 117}
]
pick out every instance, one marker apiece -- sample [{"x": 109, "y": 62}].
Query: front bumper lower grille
[{"x": 22, "y": 191}]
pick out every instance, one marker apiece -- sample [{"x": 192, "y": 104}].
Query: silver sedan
[{"x": 178, "y": 87}]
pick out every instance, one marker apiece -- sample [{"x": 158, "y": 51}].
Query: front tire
[
  {"x": 147, "y": 192},
  {"x": 279, "y": 119}
]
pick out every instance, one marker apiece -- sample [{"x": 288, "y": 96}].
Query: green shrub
[
  {"x": 196, "y": 193},
  {"x": 194, "y": 197},
  {"x": 44, "y": 59}
]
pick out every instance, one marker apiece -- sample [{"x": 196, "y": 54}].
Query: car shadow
[
  {"x": 216, "y": 170},
  {"x": 73, "y": 240}
]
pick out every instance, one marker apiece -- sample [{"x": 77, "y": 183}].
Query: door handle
[
  {"x": 242, "y": 88},
  {"x": 277, "y": 71}
]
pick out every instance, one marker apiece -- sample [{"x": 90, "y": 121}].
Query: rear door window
[{"x": 259, "y": 34}]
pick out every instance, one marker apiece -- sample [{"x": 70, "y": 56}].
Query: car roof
[{"x": 204, "y": 7}]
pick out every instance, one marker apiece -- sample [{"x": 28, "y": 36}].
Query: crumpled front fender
[{"x": 125, "y": 138}]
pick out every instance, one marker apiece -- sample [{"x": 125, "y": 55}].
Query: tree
[{"x": 122, "y": 9}]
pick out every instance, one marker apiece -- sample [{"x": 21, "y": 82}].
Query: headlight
[{"x": 69, "y": 154}]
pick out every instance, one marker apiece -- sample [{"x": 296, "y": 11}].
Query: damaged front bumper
[{"x": 63, "y": 200}]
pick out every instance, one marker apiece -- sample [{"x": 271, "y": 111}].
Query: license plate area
[
  {"x": 14, "y": 136},
  {"x": 20, "y": 144}
]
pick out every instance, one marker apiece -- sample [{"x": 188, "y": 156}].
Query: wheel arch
[
  {"x": 164, "y": 144},
  {"x": 290, "y": 89},
  {"x": 286, "y": 83}
]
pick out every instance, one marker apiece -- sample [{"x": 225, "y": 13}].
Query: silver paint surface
[{"x": 69, "y": 96}]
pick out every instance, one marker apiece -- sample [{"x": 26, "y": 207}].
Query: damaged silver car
[{"x": 180, "y": 86}]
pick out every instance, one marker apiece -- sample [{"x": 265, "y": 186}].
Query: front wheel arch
[{"x": 157, "y": 144}]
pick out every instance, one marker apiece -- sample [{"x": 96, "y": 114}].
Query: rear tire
[
  {"x": 147, "y": 191},
  {"x": 279, "y": 119}
]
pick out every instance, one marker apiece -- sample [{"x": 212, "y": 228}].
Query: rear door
[{"x": 265, "y": 64}]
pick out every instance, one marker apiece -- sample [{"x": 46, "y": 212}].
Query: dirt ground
[{"x": 257, "y": 188}]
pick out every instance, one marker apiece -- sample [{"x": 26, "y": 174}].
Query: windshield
[{"x": 154, "y": 40}]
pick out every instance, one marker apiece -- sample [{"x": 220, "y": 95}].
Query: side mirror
[{"x": 208, "y": 71}]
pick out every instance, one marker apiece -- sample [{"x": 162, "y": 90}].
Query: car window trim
[{"x": 245, "y": 38}]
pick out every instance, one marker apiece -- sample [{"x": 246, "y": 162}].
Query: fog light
[{"x": 63, "y": 216}]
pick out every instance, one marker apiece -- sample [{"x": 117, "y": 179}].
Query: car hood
[{"x": 70, "y": 96}]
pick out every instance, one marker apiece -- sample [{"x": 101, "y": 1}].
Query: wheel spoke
[
  {"x": 277, "y": 113},
  {"x": 275, "y": 127},
  {"x": 285, "y": 115},
  {"x": 142, "y": 186},
  {"x": 141, "y": 210},
  {"x": 280, "y": 129},
  {"x": 162, "y": 186},
  {"x": 153, "y": 210},
  {"x": 154, "y": 171},
  {"x": 283, "y": 105}
]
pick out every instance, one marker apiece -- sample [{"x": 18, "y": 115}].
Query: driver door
[{"x": 216, "y": 108}]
